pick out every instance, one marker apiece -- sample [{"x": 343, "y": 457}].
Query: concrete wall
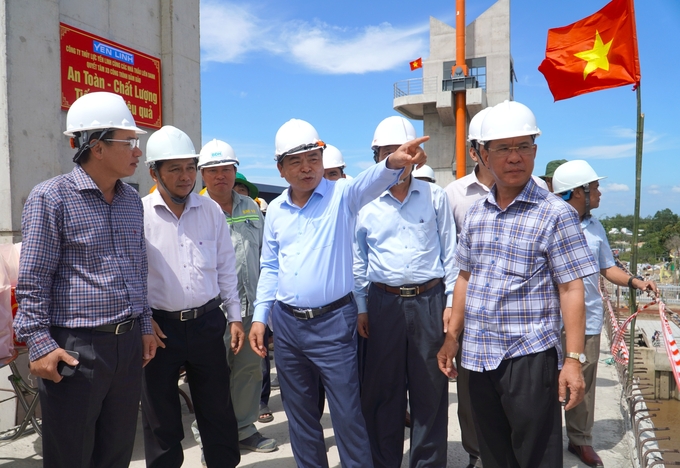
[{"x": 32, "y": 145}]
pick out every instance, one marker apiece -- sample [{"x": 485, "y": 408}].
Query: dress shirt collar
[
  {"x": 531, "y": 193},
  {"x": 157, "y": 200},
  {"x": 83, "y": 181},
  {"x": 320, "y": 190},
  {"x": 414, "y": 186},
  {"x": 473, "y": 180},
  {"x": 585, "y": 222}
]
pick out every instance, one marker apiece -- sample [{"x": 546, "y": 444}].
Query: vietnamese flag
[
  {"x": 417, "y": 63},
  {"x": 597, "y": 52}
]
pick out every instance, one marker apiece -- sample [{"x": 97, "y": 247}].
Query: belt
[
  {"x": 307, "y": 313},
  {"x": 117, "y": 328},
  {"x": 189, "y": 314},
  {"x": 409, "y": 291}
]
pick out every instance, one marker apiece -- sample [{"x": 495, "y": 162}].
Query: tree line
[{"x": 659, "y": 238}]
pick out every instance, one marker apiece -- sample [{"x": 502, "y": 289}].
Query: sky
[{"x": 334, "y": 64}]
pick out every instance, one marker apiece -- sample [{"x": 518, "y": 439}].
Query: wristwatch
[
  {"x": 579, "y": 357},
  {"x": 630, "y": 280}
]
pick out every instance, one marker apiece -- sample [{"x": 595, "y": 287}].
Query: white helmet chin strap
[
  {"x": 586, "y": 189},
  {"x": 175, "y": 200},
  {"x": 86, "y": 144}
]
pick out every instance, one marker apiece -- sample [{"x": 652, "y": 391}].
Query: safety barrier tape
[
  {"x": 671, "y": 345},
  {"x": 619, "y": 349}
]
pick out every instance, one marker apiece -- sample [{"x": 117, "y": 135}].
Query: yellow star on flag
[{"x": 596, "y": 57}]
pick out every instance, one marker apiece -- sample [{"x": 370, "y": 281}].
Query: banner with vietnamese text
[{"x": 92, "y": 63}]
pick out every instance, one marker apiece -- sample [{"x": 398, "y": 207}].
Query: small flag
[
  {"x": 597, "y": 52},
  {"x": 417, "y": 63}
]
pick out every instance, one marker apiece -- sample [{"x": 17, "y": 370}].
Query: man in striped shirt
[{"x": 521, "y": 255}]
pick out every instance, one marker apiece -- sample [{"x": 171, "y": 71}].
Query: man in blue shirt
[
  {"x": 521, "y": 255},
  {"x": 82, "y": 288},
  {"x": 577, "y": 183},
  {"x": 404, "y": 276},
  {"x": 306, "y": 282}
]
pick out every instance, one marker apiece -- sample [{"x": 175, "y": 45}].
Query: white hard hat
[
  {"x": 169, "y": 143},
  {"x": 296, "y": 136},
  {"x": 99, "y": 111},
  {"x": 573, "y": 174},
  {"x": 393, "y": 130},
  {"x": 217, "y": 153},
  {"x": 425, "y": 171},
  {"x": 475, "y": 127},
  {"x": 332, "y": 157},
  {"x": 509, "y": 119}
]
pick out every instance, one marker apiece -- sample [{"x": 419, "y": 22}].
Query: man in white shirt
[{"x": 192, "y": 286}]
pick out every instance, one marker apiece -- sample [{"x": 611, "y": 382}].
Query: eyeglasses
[
  {"x": 132, "y": 142},
  {"x": 522, "y": 150}
]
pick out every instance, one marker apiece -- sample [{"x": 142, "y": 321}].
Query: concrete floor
[{"x": 611, "y": 443}]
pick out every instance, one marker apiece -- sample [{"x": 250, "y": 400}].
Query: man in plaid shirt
[
  {"x": 82, "y": 289},
  {"x": 522, "y": 256}
]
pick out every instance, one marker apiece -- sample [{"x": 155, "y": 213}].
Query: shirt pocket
[
  {"x": 323, "y": 233},
  {"x": 204, "y": 254},
  {"x": 426, "y": 231},
  {"x": 521, "y": 258}
]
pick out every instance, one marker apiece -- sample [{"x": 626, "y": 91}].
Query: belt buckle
[
  {"x": 305, "y": 313},
  {"x": 118, "y": 332},
  {"x": 182, "y": 317},
  {"x": 408, "y": 292}
]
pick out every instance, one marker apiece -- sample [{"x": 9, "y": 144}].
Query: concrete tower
[{"x": 431, "y": 98}]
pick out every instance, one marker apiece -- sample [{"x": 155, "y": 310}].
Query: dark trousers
[
  {"x": 89, "y": 419},
  {"x": 405, "y": 335},
  {"x": 266, "y": 382},
  {"x": 465, "y": 420},
  {"x": 266, "y": 370},
  {"x": 323, "y": 347},
  {"x": 517, "y": 412},
  {"x": 198, "y": 345}
]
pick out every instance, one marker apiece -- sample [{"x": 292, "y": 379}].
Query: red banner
[{"x": 92, "y": 63}]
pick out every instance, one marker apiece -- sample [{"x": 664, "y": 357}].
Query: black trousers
[
  {"x": 405, "y": 335},
  {"x": 465, "y": 420},
  {"x": 198, "y": 345},
  {"x": 517, "y": 413},
  {"x": 89, "y": 419}
]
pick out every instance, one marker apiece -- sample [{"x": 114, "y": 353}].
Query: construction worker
[
  {"x": 333, "y": 163},
  {"x": 550, "y": 170},
  {"x": 217, "y": 164},
  {"x": 404, "y": 276},
  {"x": 82, "y": 289},
  {"x": 245, "y": 188},
  {"x": 193, "y": 296},
  {"x": 521, "y": 255},
  {"x": 306, "y": 283},
  {"x": 425, "y": 173},
  {"x": 577, "y": 183}
]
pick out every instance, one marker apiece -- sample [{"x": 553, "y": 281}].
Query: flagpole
[{"x": 636, "y": 223}]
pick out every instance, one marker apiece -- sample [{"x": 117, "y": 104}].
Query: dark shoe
[
  {"x": 265, "y": 414},
  {"x": 407, "y": 421},
  {"x": 258, "y": 443},
  {"x": 586, "y": 454}
]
